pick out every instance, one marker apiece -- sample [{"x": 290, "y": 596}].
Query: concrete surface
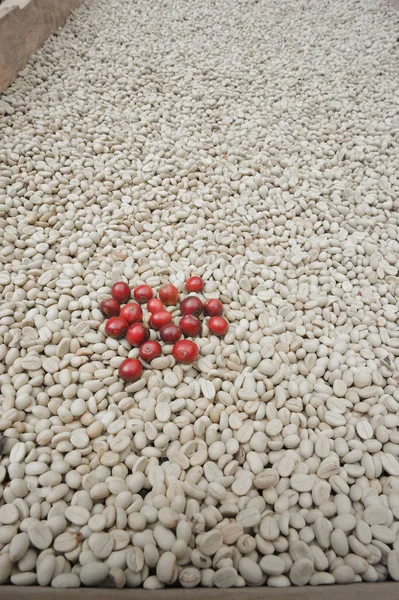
[
  {"x": 357, "y": 591},
  {"x": 8, "y": 5},
  {"x": 24, "y": 26}
]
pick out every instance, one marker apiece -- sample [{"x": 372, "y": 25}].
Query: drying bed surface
[{"x": 253, "y": 144}]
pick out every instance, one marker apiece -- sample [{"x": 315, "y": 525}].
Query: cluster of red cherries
[{"x": 127, "y": 321}]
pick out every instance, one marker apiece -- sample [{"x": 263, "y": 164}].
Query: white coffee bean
[
  {"x": 225, "y": 577},
  {"x": 66, "y": 542},
  {"x": 250, "y": 571},
  {"x": 343, "y": 574},
  {"x": 66, "y": 580},
  {"x": 78, "y": 515},
  {"x": 40, "y": 535},
  {"x": 273, "y": 458},
  {"x": 5, "y": 567},
  {"x": 167, "y": 571},
  {"x": 301, "y": 483},
  {"x": 46, "y": 570},
  {"x": 19, "y": 546},
  {"x": 272, "y": 565},
  {"x": 210, "y": 542},
  {"x": 301, "y": 571},
  {"x": 93, "y": 574},
  {"x": 9, "y": 514},
  {"x": 269, "y": 529}
]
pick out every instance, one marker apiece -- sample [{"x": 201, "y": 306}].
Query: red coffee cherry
[
  {"x": 143, "y": 293},
  {"x": 159, "y": 319},
  {"x": 116, "y": 327},
  {"x": 213, "y": 308},
  {"x": 170, "y": 333},
  {"x": 218, "y": 325},
  {"x": 191, "y": 305},
  {"x": 190, "y": 325},
  {"x": 110, "y": 307},
  {"x": 155, "y": 305},
  {"x": 150, "y": 350},
  {"x": 130, "y": 370},
  {"x": 194, "y": 284},
  {"x": 185, "y": 351},
  {"x": 137, "y": 334},
  {"x": 169, "y": 294},
  {"x": 132, "y": 313},
  {"x": 121, "y": 292}
]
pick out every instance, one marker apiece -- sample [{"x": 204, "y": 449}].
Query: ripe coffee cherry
[
  {"x": 121, "y": 292},
  {"x": 169, "y": 294},
  {"x": 132, "y": 313},
  {"x": 158, "y": 319},
  {"x": 155, "y": 305},
  {"x": 130, "y": 370},
  {"x": 170, "y": 333},
  {"x": 218, "y": 325},
  {"x": 143, "y": 293},
  {"x": 116, "y": 327},
  {"x": 190, "y": 325},
  {"x": 191, "y": 305},
  {"x": 150, "y": 350},
  {"x": 185, "y": 351},
  {"x": 194, "y": 284},
  {"x": 213, "y": 308},
  {"x": 137, "y": 334},
  {"x": 110, "y": 307}
]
